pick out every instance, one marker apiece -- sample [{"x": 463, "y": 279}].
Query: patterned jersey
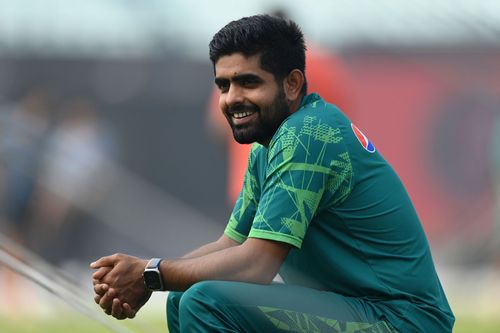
[{"x": 322, "y": 187}]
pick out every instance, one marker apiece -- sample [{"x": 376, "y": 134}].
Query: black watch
[{"x": 152, "y": 275}]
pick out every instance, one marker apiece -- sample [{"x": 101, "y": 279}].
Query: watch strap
[{"x": 154, "y": 263}]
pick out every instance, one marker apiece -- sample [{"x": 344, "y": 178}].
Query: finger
[
  {"x": 107, "y": 300},
  {"x": 97, "y": 298},
  {"x": 127, "y": 311},
  {"x": 101, "y": 289},
  {"x": 120, "y": 317},
  {"x": 116, "y": 309},
  {"x": 104, "y": 261},
  {"x": 101, "y": 272}
]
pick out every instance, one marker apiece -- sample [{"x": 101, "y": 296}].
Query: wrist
[{"x": 153, "y": 280}]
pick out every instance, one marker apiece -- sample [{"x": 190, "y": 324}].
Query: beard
[{"x": 267, "y": 122}]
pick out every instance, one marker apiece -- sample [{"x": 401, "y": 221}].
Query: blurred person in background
[
  {"x": 73, "y": 176},
  {"x": 326, "y": 75},
  {"x": 24, "y": 131},
  {"x": 319, "y": 205}
]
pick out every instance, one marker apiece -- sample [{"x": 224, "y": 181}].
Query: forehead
[{"x": 237, "y": 64}]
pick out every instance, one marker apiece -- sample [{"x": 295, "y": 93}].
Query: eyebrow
[{"x": 239, "y": 78}]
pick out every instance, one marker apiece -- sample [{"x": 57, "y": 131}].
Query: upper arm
[
  {"x": 308, "y": 169},
  {"x": 243, "y": 213}
]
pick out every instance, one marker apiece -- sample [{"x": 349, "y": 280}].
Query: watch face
[{"x": 152, "y": 280}]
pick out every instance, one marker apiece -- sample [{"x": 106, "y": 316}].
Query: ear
[{"x": 293, "y": 83}]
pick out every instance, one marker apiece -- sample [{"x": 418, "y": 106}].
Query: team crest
[{"x": 363, "y": 139}]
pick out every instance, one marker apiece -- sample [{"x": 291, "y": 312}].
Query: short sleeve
[
  {"x": 307, "y": 168},
  {"x": 245, "y": 207}
]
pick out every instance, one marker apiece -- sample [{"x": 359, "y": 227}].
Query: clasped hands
[{"x": 119, "y": 286}]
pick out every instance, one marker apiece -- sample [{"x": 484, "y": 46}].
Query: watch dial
[{"x": 152, "y": 280}]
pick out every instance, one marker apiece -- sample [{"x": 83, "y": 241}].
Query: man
[
  {"x": 319, "y": 205},
  {"x": 326, "y": 75}
]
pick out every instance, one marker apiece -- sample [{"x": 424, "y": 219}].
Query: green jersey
[{"x": 322, "y": 187}]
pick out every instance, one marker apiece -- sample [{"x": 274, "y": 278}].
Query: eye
[
  {"x": 249, "y": 83},
  {"x": 223, "y": 86}
]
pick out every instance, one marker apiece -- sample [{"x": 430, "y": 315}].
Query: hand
[
  {"x": 117, "y": 310},
  {"x": 119, "y": 285}
]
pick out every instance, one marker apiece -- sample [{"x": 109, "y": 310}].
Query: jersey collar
[{"x": 309, "y": 99}]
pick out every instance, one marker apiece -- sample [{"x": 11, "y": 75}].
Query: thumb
[
  {"x": 101, "y": 272},
  {"x": 104, "y": 261}
]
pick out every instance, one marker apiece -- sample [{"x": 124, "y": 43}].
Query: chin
[
  {"x": 243, "y": 139},
  {"x": 244, "y": 136},
  {"x": 249, "y": 135}
]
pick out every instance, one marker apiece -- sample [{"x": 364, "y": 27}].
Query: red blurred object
[{"x": 431, "y": 117}]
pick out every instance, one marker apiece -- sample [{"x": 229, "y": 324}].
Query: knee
[
  {"x": 173, "y": 299},
  {"x": 205, "y": 294}
]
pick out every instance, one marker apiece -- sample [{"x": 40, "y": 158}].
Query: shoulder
[
  {"x": 257, "y": 157},
  {"x": 316, "y": 121},
  {"x": 256, "y": 152}
]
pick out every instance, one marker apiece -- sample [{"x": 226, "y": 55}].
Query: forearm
[
  {"x": 223, "y": 242},
  {"x": 237, "y": 263}
]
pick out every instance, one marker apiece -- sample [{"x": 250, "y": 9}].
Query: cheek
[
  {"x": 270, "y": 94},
  {"x": 262, "y": 98},
  {"x": 223, "y": 107},
  {"x": 222, "y": 103}
]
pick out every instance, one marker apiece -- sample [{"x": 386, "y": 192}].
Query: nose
[{"x": 234, "y": 95}]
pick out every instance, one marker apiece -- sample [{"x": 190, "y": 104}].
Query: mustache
[{"x": 241, "y": 107}]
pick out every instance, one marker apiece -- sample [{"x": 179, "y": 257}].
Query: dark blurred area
[{"x": 147, "y": 116}]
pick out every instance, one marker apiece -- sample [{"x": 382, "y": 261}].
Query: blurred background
[{"x": 109, "y": 141}]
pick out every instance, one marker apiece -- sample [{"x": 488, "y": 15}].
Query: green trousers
[{"x": 222, "y": 306}]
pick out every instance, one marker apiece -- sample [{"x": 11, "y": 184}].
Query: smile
[{"x": 240, "y": 115}]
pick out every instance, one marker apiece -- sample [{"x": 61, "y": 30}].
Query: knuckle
[
  {"x": 104, "y": 303},
  {"x": 107, "y": 279}
]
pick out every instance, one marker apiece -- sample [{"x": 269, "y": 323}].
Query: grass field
[
  {"x": 476, "y": 311},
  {"x": 78, "y": 324}
]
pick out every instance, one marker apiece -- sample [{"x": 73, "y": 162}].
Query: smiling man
[
  {"x": 319, "y": 205},
  {"x": 254, "y": 105}
]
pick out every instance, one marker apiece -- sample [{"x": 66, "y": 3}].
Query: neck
[
  {"x": 293, "y": 107},
  {"x": 295, "y": 104},
  {"x": 265, "y": 143}
]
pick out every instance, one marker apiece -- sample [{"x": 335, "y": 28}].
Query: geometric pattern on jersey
[
  {"x": 363, "y": 237},
  {"x": 292, "y": 321},
  {"x": 245, "y": 206},
  {"x": 307, "y": 162}
]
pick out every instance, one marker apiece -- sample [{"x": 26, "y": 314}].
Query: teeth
[{"x": 240, "y": 115}]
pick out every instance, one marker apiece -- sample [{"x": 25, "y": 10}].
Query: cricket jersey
[{"x": 322, "y": 187}]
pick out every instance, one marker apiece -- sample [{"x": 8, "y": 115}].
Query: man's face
[{"x": 252, "y": 101}]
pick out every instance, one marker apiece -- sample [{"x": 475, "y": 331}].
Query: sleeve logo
[{"x": 365, "y": 142}]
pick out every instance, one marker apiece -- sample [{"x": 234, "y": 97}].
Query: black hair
[{"x": 279, "y": 41}]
